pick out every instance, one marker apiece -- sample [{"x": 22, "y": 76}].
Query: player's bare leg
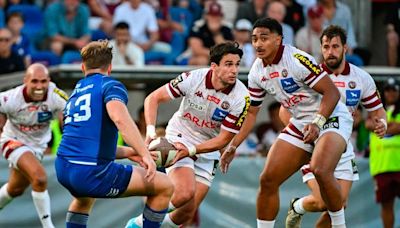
[
  {"x": 186, "y": 212},
  {"x": 323, "y": 163},
  {"x": 283, "y": 160},
  {"x": 387, "y": 213},
  {"x": 31, "y": 171}
]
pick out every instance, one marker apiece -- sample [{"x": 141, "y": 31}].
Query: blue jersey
[{"x": 89, "y": 135}]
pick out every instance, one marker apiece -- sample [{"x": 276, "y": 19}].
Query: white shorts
[
  {"x": 12, "y": 150},
  {"x": 342, "y": 124},
  {"x": 346, "y": 170},
  {"x": 204, "y": 169}
]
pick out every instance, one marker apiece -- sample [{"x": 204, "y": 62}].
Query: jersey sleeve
[
  {"x": 4, "y": 101},
  {"x": 234, "y": 120},
  {"x": 179, "y": 86},
  {"x": 114, "y": 90},
  {"x": 307, "y": 69},
  {"x": 257, "y": 93},
  {"x": 60, "y": 99},
  {"x": 370, "y": 98}
]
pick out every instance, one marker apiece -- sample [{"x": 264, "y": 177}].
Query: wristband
[
  {"x": 384, "y": 122},
  {"x": 151, "y": 131},
  {"x": 192, "y": 150},
  {"x": 230, "y": 149},
  {"x": 319, "y": 120}
]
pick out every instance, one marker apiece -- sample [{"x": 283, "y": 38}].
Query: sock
[
  {"x": 337, "y": 218},
  {"x": 171, "y": 207},
  {"x": 168, "y": 223},
  {"x": 42, "y": 204},
  {"x": 76, "y": 220},
  {"x": 152, "y": 218},
  {"x": 265, "y": 223},
  {"x": 5, "y": 198},
  {"x": 298, "y": 206}
]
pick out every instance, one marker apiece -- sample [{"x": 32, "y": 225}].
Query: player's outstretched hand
[
  {"x": 183, "y": 152},
  {"x": 380, "y": 127},
  {"x": 226, "y": 158},
  {"x": 150, "y": 165},
  {"x": 311, "y": 132}
]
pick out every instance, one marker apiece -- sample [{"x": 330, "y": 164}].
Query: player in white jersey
[
  {"x": 356, "y": 87},
  {"x": 212, "y": 110},
  {"x": 25, "y": 115},
  {"x": 293, "y": 79}
]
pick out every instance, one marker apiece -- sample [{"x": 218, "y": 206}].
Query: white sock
[
  {"x": 171, "y": 207},
  {"x": 265, "y": 223},
  {"x": 42, "y": 204},
  {"x": 168, "y": 223},
  {"x": 337, "y": 219},
  {"x": 5, "y": 198},
  {"x": 298, "y": 206}
]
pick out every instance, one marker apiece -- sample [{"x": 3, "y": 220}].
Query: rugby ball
[{"x": 166, "y": 151}]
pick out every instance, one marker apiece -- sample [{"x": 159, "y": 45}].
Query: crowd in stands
[{"x": 167, "y": 32}]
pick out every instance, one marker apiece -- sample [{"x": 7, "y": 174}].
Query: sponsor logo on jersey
[
  {"x": 219, "y": 115},
  {"x": 199, "y": 122},
  {"x": 244, "y": 112},
  {"x": 44, "y": 117},
  {"x": 61, "y": 93},
  {"x": 308, "y": 63},
  {"x": 263, "y": 79},
  {"x": 5, "y": 99},
  {"x": 198, "y": 107},
  {"x": 36, "y": 127},
  {"x": 274, "y": 75},
  {"x": 44, "y": 107},
  {"x": 285, "y": 73},
  {"x": 293, "y": 100},
  {"x": 332, "y": 122},
  {"x": 225, "y": 105},
  {"x": 340, "y": 84},
  {"x": 216, "y": 100},
  {"x": 353, "y": 97},
  {"x": 174, "y": 82},
  {"x": 199, "y": 94},
  {"x": 289, "y": 85},
  {"x": 352, "y": 84},
  {"x": 31, "y": 108}
]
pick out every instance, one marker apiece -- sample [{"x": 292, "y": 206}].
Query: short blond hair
[{"x": 97, "y": 54}]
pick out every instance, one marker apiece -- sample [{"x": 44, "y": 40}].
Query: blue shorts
[{"x": 107, "y": 180}]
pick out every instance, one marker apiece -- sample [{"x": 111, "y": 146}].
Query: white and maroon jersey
[
  {"x": 28, "y": 121},
  {"x": 356, "y": 86},
  {"x": 204, "y": 110},
  {"x": 289, "y": 79}
]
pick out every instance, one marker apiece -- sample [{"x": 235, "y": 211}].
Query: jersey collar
[
  {"x": 210, "y": 86},
  {"x": 28, "y": 99},
  {"x": 278, "y": 55},
  {"x": 346, "y": 70}
]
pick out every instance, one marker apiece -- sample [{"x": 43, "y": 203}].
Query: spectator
[
  {"x": 392, "y": 22},
  {"x": 9, "y": 61},
  {"x": 126, "y": 52},
  {"x": 212, "y": 32},
  {"x": 66, "y": 25},
  {"x": 242, "y": 35},
  {"x": 385, "y": 156},
  {"x": 252, "y": 10},
  {"x": 308, "y": 37},
  {"x": 102, "y": 12},
  {"x": 144, "y": 30},
  {"x": 294, "y": 14},
  {"x": 338, "y": 13},
  {"x": 20, "y": 42},
  {"x": 276, "y": 10}
]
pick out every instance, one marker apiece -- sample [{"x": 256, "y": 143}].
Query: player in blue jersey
[{"x": 85, "y": 163}]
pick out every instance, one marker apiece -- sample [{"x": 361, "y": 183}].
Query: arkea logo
[
  {"x": 199, "y": 122},
  {"x": 289, "y": 85},
  {"x": 219, "y": 115},
  {"x": 293, "y": 100},
  {"x": 353, "y": 97}
]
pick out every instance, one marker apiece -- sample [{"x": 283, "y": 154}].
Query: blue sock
[
  {"x": 152, "y": 218},
  {"x": 76, "y": 220}
]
